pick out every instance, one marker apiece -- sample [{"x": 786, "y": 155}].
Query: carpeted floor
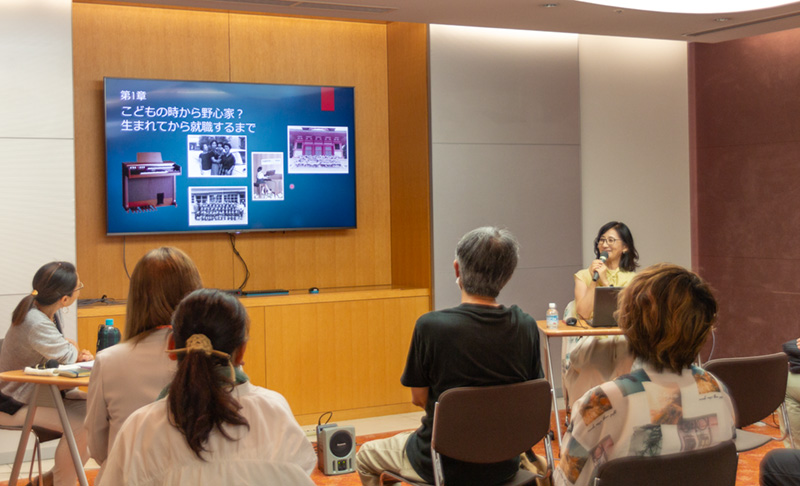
[{"x": 747, "y": 474}]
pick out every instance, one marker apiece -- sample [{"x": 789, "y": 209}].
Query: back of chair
[
  {"x": 757, "y": 384},
  {"x": 711, "y": 466},
  {"x": 492, "y": 423}
]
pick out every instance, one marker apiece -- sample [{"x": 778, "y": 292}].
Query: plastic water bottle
[
  {"x": 107, "y": 335},
  {"x": 552, "y": 316}
]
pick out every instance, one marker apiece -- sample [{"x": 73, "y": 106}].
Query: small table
[
  {"x": 41, "y": 398},
  {"x": 563, "y": 330}
]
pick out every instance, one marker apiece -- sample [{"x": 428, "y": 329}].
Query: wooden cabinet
[{"x": 339, "y": 351}]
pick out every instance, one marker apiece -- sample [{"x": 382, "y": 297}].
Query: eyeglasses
[
  {"x": 610, "y": 241},
  {"x": 80, "y": 286}
]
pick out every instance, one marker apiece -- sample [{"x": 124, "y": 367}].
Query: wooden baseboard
[{"x": 358, "y": 413}]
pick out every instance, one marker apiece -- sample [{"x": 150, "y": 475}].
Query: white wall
[
  {"x": 37, "y": 188},
  {"x": 553, "y": 135},
  {"x": 505, "y": 152},
  {"x": 635, "y": 144}
]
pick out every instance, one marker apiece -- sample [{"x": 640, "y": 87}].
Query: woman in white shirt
[
  {"x": 131, "y": 374},
  {"x": 214, "y": 426}
]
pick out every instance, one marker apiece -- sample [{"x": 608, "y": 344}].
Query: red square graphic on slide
[{"x": 327, "y": 100}]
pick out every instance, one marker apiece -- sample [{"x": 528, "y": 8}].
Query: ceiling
[{"x": 565, "y": 16}]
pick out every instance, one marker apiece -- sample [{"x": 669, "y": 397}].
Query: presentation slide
[{"x": 188, "y": 156}]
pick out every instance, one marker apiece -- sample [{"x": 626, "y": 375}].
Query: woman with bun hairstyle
[
  {"x": 160, "y": 280},
  {"x": 214, "y": 426},
  {"x": 34, "y": 338},
  {"x": 588, "y": 361}
]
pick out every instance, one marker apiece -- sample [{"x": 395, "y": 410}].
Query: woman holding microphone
[
  {"x": 588, "y": 361},
  {"x": 614, "y": 242}
]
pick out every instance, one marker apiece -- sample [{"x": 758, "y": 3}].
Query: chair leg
[
  {"x": 37, "y": 454},
  {"x": 438, "y": 473},
  {"x": 548, "y": 451},
  {"x": 785, "y": 417}
]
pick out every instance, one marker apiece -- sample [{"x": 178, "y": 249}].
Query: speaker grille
[{"x": 341, "y": 443}]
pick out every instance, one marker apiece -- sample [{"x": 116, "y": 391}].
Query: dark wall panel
[{"x": 748, "y": 188}]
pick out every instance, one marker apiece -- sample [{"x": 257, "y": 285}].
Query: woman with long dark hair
[
  {"x": 615, "y": 241},
  {"x": 588, "y": 361},
  {"x": 34, "y": 338},
  {"x": 214, "y": 426},
  {"x": 160, "y": 280}
]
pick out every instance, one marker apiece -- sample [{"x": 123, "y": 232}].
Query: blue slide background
[{"x": 316, "y": 201}]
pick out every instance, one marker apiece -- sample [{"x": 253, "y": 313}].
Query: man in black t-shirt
[{"x": 478, "y": 343}]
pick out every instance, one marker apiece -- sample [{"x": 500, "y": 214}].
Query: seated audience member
[
  {"x": 792, "y": 401},
  {"x": 588, "y": 361},
  {"x": 780, "y": 467},
  {"x": 214, "y": 426},
  {"x": 478, "y": 343},
  {"x": 131, "y": 374},
  {"x": 35, "y": 336},
  {"x": 665, "y": 405}
]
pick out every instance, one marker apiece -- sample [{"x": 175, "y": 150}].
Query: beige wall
[
  {"x": 635, "y": 144},
  {"x": 505, "y": 125}
]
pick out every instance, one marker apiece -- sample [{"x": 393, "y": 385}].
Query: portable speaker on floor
[{"x": 336, "y": 449}]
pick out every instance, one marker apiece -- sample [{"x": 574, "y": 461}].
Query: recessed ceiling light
[{"x": 692, "y": 6}]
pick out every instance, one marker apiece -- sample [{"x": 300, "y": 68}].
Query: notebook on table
[{"x": 605, "y": 304}]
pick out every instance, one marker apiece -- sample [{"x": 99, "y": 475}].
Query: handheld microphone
[{"x": 603, "y": 258}]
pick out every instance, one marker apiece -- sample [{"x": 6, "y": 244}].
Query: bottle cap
[
  {"x": 552, "y": 305},
  {"x": 109, "y": 322}
]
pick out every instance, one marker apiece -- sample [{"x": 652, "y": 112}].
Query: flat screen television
[{"x": 191, "y": 156}]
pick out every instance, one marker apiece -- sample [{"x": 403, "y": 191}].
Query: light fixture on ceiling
[{"x": 692, "y": 6}]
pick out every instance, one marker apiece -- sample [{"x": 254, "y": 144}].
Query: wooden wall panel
[
  {"x": 255, "y": 363},
  {"x": 121, "y": 41},
  {"x": 409, "y": 142},
  {"x": 333, "y": 351},
  {"x": 134, "y": 42},
  {"x": 338, "y": 54},
  {"x": 341, "y": 355},
  {"x": 89, "y": 320}
]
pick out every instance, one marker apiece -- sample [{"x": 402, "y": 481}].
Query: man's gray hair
[{"x": 487, "y": 258}]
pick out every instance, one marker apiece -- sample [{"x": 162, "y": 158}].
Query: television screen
[{"x": 186, "y": 156}]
